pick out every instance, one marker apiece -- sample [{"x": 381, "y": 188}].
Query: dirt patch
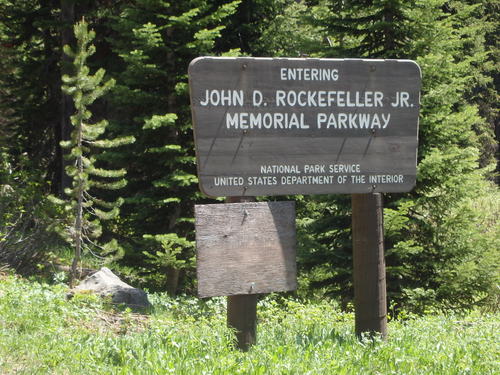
[{"x": 112, "y": 322}]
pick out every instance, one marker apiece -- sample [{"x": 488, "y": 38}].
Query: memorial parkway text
[{"x": 352, "y": 118}]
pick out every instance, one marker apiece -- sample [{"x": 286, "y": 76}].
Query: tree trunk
[
  {"x": 173, "y": 136},
  {"x": 172, "y": 280},
  {"x": 66, "y": 106}
]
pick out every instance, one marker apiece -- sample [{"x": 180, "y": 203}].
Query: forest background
[{"x": 442, "y": 240}]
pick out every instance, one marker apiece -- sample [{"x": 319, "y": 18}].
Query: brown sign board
[
  {"x": 245, "y": 248},
  {"x": 274, "y": 126}
]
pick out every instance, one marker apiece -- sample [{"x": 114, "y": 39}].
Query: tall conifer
[
  {"x": 155, "y": 42},
  {"x": 86, "y": 208},
  {"x": 433, "y": 233}
]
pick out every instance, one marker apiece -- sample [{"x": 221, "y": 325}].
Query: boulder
[{"x": 106, "y": 283}]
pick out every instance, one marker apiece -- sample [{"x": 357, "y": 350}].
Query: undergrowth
[{"x": 41, "y": 332}]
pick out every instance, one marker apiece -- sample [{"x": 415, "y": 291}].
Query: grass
[{"x": 41, "y": 332}]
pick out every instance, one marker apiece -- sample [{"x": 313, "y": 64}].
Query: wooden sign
[
  {"x": 245, "y": 248},
  {"x": 304, "y": 126}
]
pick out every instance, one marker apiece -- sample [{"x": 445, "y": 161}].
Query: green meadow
[{"x": 42, "y": 332}]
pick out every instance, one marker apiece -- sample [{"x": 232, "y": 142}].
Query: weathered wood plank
[
  {"x": 245, "y": 248},
  {"x": 370, "y": 295},
  {"x": 227, "y": 93}
]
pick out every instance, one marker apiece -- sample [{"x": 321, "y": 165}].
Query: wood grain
[
  {"x": 370, "y": 296},
  {"x": 223, "y": 152},
  {"x": 245, "y": 248}
]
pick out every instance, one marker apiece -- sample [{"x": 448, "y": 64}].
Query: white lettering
[
  {"x": 223, "y": 98},
  {"x": 322, "y": 98},
  {"x": 386, "y": 179},
  {"x": 257, "y": 98},
  {"x": 309, "y": 74},
  {"x": 343, "y": 120}
]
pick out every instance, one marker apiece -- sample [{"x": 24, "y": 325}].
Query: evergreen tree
[
  {"x": 155, "y": 42},
  {"x": 245, "y": 27},
  {"x": 30, "y": 82},
  {"x": 291, "y": 31},
  {"x": 481, "y": 20},
  {"x": 368, "y": 28},
  {"x": 28, "y": 96},
  {"x": 87, "y": 209},
  {"x": 426, "y": 241},
  {"x": 433, "y": 233},
  {"x": 32, "y": 105},
  {"x": 441, "y": 239},
  {"x": 439, "y": 226}
]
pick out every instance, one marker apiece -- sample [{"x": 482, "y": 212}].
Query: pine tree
[
  {"x": 155, "y": 42},
  {"x": 429, "y": 231},
  {"x": 244, "y": 29},
  {"x": 29, "y": 81},
  {"x": 480, "y": 19},
  {"x": 367, "y": 28},
  {"x": 28, "y": 97},
  {"x": 289, "y": 31},
  {"x": 444, "y": 226},
  {"x": 440, "y": 240},
  {"x": 86, "y": 139},
  {"x": 32, "y": 104}
]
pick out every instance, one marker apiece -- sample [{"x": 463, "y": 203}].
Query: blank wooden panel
[{"x": 245, "y": 248}]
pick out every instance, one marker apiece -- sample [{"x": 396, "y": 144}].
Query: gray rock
[{"x": 106, "y": 283}]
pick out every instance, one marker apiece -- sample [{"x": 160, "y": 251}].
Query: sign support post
[
  {"x": 245, "y": 249},
  {"x": 242, "y": 317},
  {"x": 286, "y": 126},
  {"x": 369, "y": 264},
  {"x": 242, "y": 309}
]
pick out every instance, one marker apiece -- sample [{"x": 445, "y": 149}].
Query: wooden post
[
  {"x": 242, "y": 309},
  {"x": 242, "y": 317},
  {"x": 369, "y": 264}
]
